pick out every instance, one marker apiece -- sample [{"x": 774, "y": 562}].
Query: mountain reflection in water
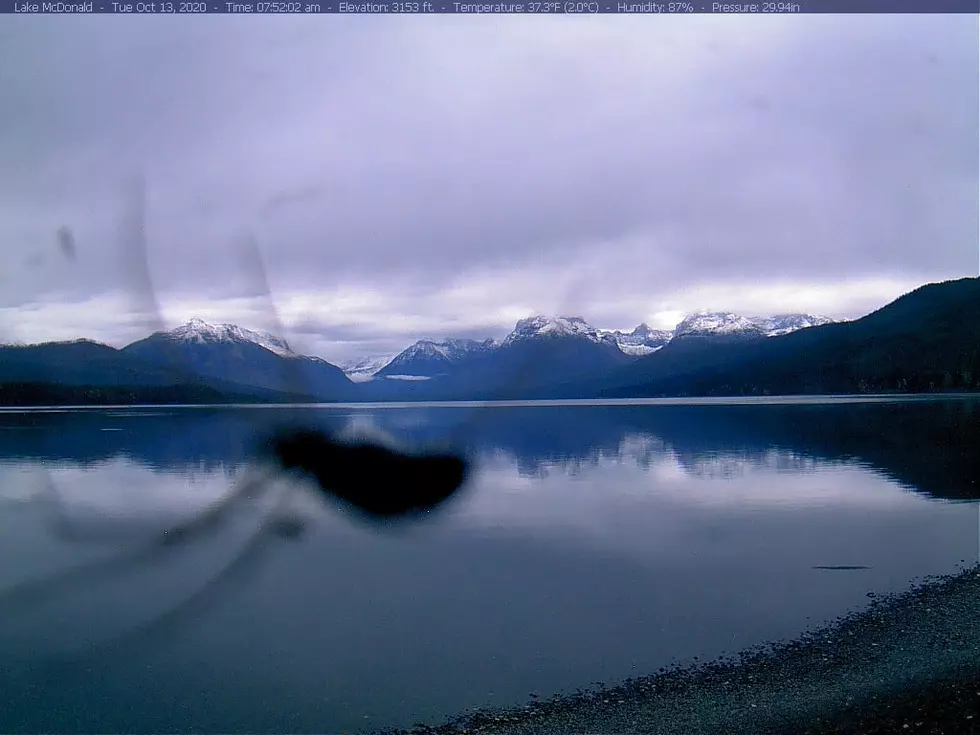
[{"x": 595, "y": 543}]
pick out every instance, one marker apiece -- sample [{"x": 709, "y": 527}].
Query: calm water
[{"x": 592, "y": 544}]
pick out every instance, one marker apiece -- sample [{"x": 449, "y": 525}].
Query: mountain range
[
  {"x": 430, "y": 359},
  {"x": 926, "y": 340}
]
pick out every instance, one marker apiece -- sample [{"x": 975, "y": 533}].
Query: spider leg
[
  {"x": 234, "y": 570},
  {"x": 156, "y": 547}
]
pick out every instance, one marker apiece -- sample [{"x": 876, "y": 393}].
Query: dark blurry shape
[
  {"x": 374, "y": 480},
  {"x": 287, "y": 527},
  {"x": 841, "y": 567},
  {"x": 378, "y": 483},
  {"x": 66, "y": 242},
  {"x": 135, "y": 259},
  {"x": 249, "y": 259},
  {"x": 149, "y": 546},
  {"x": 155, "y": 551}
]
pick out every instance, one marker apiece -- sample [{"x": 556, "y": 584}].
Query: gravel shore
[{"x": 909, "y": 663}]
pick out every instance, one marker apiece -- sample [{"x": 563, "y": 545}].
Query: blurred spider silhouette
[{"x": 376, "y": 483}]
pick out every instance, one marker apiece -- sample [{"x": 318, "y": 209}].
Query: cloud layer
[{"x": 404, "y": 180}]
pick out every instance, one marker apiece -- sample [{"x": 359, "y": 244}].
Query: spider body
[{"x": 374, "y": 480}]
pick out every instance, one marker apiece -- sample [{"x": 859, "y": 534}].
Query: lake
[{"x": 592, "y": 543}]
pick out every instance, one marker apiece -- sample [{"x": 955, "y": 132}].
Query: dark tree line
[{"x": 50, "y": 394}]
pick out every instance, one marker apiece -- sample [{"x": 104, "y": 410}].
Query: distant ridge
[
  {"x": 928, "y": 340},
  {"x": 429, "y": 358}
]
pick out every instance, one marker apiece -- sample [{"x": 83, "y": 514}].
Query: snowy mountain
[
  {"x": 773, "y": 326},
  {"x": 365, "y": 368},
  {"x": 539, "y": 350},
  {"x": 236, "y": 355},
  {"x": 431, "y": 359},
  {"x": 197, "y": 331},
  {"x": 716, "y": 323},
  {"x": 536, "y": 327},
  {"x": 543, "y": 357},
  {"x": 705, "y": 323},
  {"x": 923, "y": 341},
  {"x": 427, "y": 358},
  {"x": 641, "y": 341},
  {"x": 545, "y": 350}
]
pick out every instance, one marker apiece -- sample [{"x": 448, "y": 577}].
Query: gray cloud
[{"x": 404, "y": 180}]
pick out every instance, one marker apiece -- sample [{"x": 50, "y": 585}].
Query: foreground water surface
[{"x": 591, "y": 544}]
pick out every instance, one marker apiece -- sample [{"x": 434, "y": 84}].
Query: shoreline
[
  {"x": 907, "y": 663},
  {"x": 792, "y": 399}
]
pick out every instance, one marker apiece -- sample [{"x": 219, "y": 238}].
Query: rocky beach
[{"x": 907, "y": 663}]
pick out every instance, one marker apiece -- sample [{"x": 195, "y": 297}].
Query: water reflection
[
  {"x": 595, "y": 543},
  {"x": 928, "y": 446}
]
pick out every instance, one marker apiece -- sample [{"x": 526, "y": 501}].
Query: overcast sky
[{"x": 406, "y": 178}]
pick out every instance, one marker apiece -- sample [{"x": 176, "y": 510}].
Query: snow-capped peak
[
  {"x": 553, "y": 326},
  {"x": 200, "y": 332},
  {"x": 363, "y": 369},
  {"x": 449, "y": 349},
  {"x": 716, "y": 322},
  {"x": 427, "y": 348},
  {"x": 642, "y": 340},
  {"x": 774, "y": 326},
  {"x": 428, "y": 357},
  {"x": 705, "y": 323}
]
